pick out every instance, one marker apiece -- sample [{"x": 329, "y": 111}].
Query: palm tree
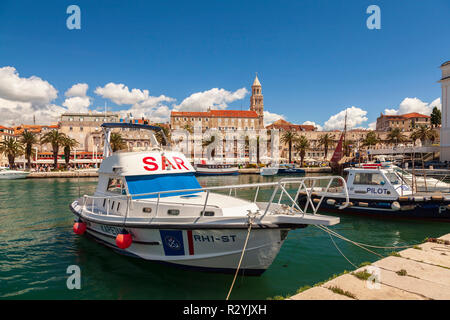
[
  {"x": 289, "y": 137},
  {"x": 424, "y": 134},
  {"x": 347, "y": 148},
  {"x": 116, "y": 142},
  {"x": 12, "y": 149},
  {"x": 188, "y": 128},
  {"x": 28, "y": 139},
  {"x": 206, "y": 143},
  {"x": 68, "y": 144},
  {"x": 301, "y": 145},
  {"x": 56, "y": 139},
  {"x": 396, "y": 136},
  {"x": 325, "y": 140},
  {"x": 371, "y": 139},
  {"x": 159, "y": 136}
]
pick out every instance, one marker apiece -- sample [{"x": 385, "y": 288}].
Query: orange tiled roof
[
  {"x": 405, "y": 116},
  {"x": 415, "y": 115},
  {"x": 217, "y": 114},
  {"x": 285, "y": 125}
]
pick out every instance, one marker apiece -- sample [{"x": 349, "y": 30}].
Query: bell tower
[{"x": 257, "y": 101}]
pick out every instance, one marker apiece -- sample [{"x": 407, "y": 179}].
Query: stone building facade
[
  {"x": 405, "y": 122},
  {"x": 252, "y": 119}
]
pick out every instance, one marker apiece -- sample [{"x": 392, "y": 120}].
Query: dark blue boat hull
[{"x": 436, "y": 210}]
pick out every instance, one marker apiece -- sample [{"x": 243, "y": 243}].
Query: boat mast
[{"x": 345, "y": 131}]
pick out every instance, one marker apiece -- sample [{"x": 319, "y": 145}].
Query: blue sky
[{"x": 314, "y": 58}]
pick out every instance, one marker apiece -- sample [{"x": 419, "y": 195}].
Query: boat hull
[
  {"x": 13, "y": 175},
  {"x": 281, "y": 172},
  {"x": 426, "y": 209},
  {"x": 216, "y": 172},
  {"x": 205, "y": 249}
]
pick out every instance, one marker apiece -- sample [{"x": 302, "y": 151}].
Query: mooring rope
[
  {"x": 250, "y": 222},
  {"x": 331, "y": 237},
  {"x": 348, "y": 240}
]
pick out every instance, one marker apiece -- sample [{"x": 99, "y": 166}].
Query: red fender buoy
[
  {"x": 124, "y": 239},
  {"x": 79, "y": 227}
]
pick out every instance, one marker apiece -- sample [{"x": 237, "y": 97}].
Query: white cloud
[
  {"x": 142, "y": 104},
  {"x": 409, "y": 105},
  {"x": 270, "y": 117},
  {"x": 214, "y": 98},
  {"x": 120, "y": 94},
  {"x": 355, "y": 116},
  {"x": 18, "y": 112},
  {"x": 77, "y": 100},
  {"x": 33, "y": 89},
  {"x": 23, "y": 99},
  {"x": 372, "y": 125},
  {"x": 318, "y": 126},
  {"x": 77, "y": 90},
  {"x": 77, "y": 104}
]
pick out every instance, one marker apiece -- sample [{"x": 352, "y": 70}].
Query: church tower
[{"x": 257, "y": 102}]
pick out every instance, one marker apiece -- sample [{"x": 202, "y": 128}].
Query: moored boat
[
  {"x": 6, "y": 174},
  {"x": 282, "y": 169},
  {"x": 150, "y": 205},
  {"x": 381, "y": 192},
  {"x": 216, "y": 169}
]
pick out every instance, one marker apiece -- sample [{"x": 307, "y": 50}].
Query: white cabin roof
[{"x": 146, "y": 163}]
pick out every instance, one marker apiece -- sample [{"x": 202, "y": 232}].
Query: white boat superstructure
[
  {"x": 268, "y": 171},
  {"x": 155, "y": 199},
  {"x": 6, "y": 174},
  {"x": 376, "y": 190},
  {"x": 423, "y": 183}
]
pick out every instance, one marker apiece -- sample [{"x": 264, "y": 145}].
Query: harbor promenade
[
  {"x": 63, "y": 174},
  {"x": 93, "y": 173},
  {"x": 418, "y": 273}
]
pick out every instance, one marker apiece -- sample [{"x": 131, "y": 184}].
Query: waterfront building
[
  {"x": 405, "y": 122},
  {"x": 5, "y": 133},
  {"x": 85, "y": 128},
  {"x": 223, "y": 120},
  {"x": 252, "y": 119},
  {"x": 445, "y": 100}
]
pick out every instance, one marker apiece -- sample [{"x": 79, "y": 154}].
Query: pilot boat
[
  {"x": 6, "y": 174},
  {"x": 150, "y": 205},
  {"x": 380, "y": 191}
]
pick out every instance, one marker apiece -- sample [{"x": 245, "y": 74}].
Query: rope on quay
[{"x": 251, "y": 218}]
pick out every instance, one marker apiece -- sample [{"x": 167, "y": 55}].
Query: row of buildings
[{"x": 85, "y": 128}]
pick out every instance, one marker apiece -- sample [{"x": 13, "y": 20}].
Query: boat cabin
[{"x": 375, "y": 182}]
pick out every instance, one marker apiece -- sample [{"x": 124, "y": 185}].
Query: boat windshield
[
  {"x": 394, "y": 178},
  {"x": 155, "y": 183}
]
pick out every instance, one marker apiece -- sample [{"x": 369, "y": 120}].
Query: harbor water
[{"x": 37, "y": 245}]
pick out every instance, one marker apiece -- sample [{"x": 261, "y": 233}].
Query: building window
[
  {"x": 70, "y": 129},
  {"x": 81, "y": 128}
]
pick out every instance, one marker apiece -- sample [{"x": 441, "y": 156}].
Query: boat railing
[{"x": 307, "y": 186}]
